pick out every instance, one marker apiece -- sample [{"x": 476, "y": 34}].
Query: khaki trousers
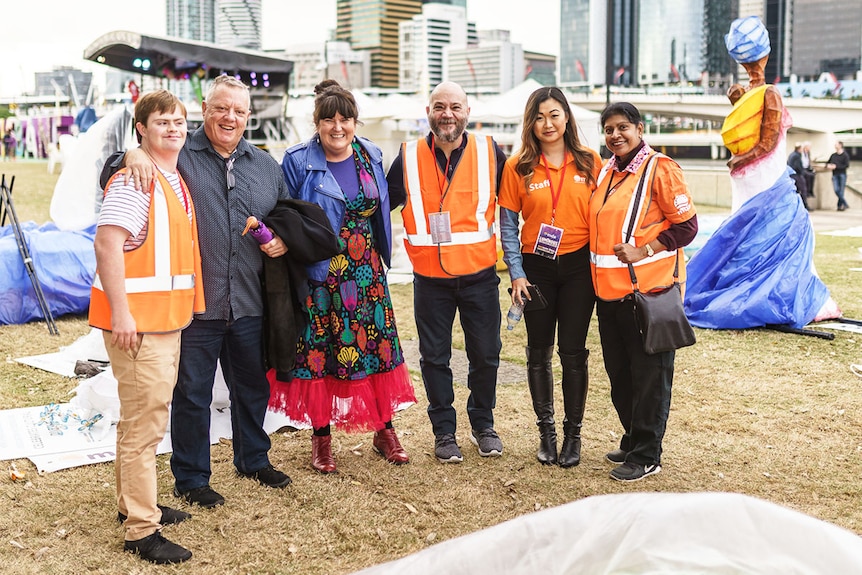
[{"x": 145, "y": 384}]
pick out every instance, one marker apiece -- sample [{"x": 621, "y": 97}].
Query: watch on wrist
[{"x": 649, "y": 251}]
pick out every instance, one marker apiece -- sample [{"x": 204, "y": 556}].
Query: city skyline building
[
  {"x": 239, "y": 24},
  {"x": 372, "y": 25},
  {"x": 493, "y": 66},
  {"x": 670, "y": 45},
  {"x": 421, "y": 41},
  {"x": 191, "y": 19}
]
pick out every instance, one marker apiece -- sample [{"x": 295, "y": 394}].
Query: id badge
[
  {"x": 441, "y": 228},
  {"x": 548, "y": 242}
]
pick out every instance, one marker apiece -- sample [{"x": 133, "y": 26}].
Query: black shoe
[
  {"x": 617, "y": 456},
  {"x": 170, "y": 516},
  {"x": 633, "y": 471},
  {"x": 204, "y": 496},
  {"x": 156, "y": 549},
  {"x": 268, "y": 476}
]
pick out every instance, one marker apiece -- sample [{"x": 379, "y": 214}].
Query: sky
[{"x": 41, "y": 34}]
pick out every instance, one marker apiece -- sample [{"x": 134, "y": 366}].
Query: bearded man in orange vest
[
  {"x": 448, "y": 184},
  {"x": 146, "y": 289}
]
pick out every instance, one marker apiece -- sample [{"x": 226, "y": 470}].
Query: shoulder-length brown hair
[{"x": 531, "y": 151}]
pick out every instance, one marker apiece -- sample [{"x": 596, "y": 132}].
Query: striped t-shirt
[{"x": 128, "y": 208}]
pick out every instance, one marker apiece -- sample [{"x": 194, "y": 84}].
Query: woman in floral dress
[{"x": 349, "y": 367}]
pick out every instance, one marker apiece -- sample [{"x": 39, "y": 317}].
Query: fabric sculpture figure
[{"x": 757, "y": 269}]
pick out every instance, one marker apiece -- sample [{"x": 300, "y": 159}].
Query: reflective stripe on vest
[
  {"x": 161, "y": 280},
  {"x": 611, "y": 276},
  {"x": 421, "y": 237},
  {"x": 161, "y": 286}
]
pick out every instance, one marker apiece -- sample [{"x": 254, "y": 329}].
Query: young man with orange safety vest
[
  {"x": 448, "y": 185},
  {"x": 146, "y": 288}
]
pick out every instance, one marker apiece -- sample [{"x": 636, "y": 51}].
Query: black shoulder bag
[{"x": 659, "y": 315}]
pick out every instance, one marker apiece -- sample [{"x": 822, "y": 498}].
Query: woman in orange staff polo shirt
[{"x": 549, "y": 182}]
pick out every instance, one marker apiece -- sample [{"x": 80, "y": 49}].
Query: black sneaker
[
  {"x": 487, "y": 441},
  {"x": 170, "y": 516},
  {"x": 205, "y": 496},
  {"x": 268, "y": 476},
  {"x": 617, "y": 456},
  {"x": 629, "y": 471},
  {"x": 446, "y": 449},
  {"x": 156, "y": 549}
]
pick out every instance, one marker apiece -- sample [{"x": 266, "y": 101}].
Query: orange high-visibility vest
[
  {"x": 470, "y": 198},
  {"x": 163, "y": 275},
  {"x": 609, "y": 221}
]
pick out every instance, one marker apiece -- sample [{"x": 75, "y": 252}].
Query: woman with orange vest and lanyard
[
  {"x": 665, "y": 222},
  {"x": 550, "y": 181}
]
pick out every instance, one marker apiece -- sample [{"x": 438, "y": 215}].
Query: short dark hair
[{"x": 624, "y": 109}]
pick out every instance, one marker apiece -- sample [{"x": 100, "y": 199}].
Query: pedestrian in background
[{"x": 838, "y": 163}]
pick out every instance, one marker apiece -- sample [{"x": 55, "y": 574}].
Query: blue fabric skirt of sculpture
[{"x": 757, "y": 268}]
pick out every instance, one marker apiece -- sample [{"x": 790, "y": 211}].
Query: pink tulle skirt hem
[{"x": 353, "y": 405}]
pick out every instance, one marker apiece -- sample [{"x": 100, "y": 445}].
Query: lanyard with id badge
[
  {"x": 550, "y": 236},
  {"x": 439, "y": 223}
]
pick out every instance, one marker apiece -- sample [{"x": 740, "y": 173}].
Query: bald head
[{"x": 448, "y": 112}]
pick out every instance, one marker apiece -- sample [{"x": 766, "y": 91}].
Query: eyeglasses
[{"x": 231, "y": 181}]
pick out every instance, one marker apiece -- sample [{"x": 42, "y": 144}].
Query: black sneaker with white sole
[
  {"x": 446, "y": 449},
  {"x": 629, "y": 471}
]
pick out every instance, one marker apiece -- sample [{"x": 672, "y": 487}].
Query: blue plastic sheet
[
  {"x": 756, "y": 269},
  {"x": 64, "y": 262}
]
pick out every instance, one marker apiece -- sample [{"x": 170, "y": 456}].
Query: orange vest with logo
[
  {"x": 470, "y": 198},
  {"x": 163, "y": 275},
  {"x": 609, "y": 222}
]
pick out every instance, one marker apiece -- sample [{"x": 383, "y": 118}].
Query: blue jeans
[
  {"x": 477, "y": 299},
  {"x": 239, "y": 346},
  {"x": 839, "y": 181},
  {"x": 640, "y": 383}
]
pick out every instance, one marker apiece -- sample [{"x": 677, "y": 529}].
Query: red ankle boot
[
  {"x": 386, "y": 444},
  {"x": 321, "y": 454}
]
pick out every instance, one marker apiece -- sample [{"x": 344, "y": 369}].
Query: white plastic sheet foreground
[{"x": 646, "y": 533}]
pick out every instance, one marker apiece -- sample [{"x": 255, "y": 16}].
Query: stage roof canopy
[{"x": 178, "y": 58}]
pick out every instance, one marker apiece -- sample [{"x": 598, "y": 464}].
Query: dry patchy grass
[{"x": 758, "y": 412}]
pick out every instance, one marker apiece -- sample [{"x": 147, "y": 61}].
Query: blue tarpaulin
[
  {"x": 756, "y": 269},
  {"x": 64, "y": 262}
]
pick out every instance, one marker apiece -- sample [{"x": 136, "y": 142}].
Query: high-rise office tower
[
  {"x": 826, "y": 38},
  {"x": 583, "y": 30},
  {"x": 239, "y": 24},
  {"x": 192, "y": 19},
  {"x": 422, "y": 40},
  {"x": 670, "y": 42},
  {"x": 372, "y": 25}
]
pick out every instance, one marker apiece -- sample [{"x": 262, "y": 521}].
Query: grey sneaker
[
  {"x": 446, "y": 449},
  {"x": 629, "y": 471},
  {"x": 617, "y": 456},
  {"x": 487, "y": 441}
]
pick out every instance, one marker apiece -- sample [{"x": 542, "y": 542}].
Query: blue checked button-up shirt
[{"x": 232, "y": 263}]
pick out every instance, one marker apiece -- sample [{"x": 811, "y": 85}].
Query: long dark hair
[{"x": 531, "y": 151}]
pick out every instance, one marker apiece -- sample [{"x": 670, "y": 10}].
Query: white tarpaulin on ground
[
  {"x": 84, "y": 430},
  {"x": 646, "y": 533}
]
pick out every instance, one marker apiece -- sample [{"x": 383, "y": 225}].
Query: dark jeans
[
  {"x": 839, "y": 182},
  {"x": 477, "y": 299},
  {"x": 567, "y": 284},
  {"x": 640, "y": 383},
  {"x": 239, "y": 346}
]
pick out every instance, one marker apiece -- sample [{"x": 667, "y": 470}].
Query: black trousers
[
  {"x": 640, "y": 383},
  {"x": 567, "y": 284}
]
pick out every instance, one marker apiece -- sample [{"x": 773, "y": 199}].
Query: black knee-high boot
[
  {"x": 575, "y": 384},
  {"x": 540, "y": 378}
]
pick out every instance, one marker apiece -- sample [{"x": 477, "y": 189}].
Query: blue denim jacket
[{"x": 308, "y": 178}]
